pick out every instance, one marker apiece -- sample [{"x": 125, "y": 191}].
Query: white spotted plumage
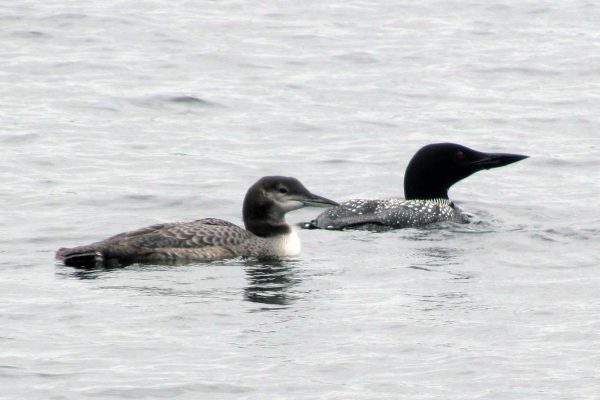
[{"x": 393, "y": 213}]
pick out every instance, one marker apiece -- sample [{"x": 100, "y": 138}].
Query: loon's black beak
[
  {"x": 495, "y": 160},
  {"x": 317, "y": 201}
]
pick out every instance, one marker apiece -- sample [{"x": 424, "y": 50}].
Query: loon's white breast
[{"x": 285, "y": 245}]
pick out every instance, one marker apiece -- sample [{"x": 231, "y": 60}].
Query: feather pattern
[
  {"x": 200, "y": 240},
  {"x": 267, "y": 234},
  {"x": 392, "y": 213},
  {"x": 429, "y": 175}
]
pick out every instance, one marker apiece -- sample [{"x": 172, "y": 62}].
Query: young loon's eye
[{"x": 282, "y": 190}]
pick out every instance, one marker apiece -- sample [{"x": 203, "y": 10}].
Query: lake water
[{"x": 120, "y": 114}]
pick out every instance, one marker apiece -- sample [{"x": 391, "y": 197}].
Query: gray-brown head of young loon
[{"x": 270, "y": 198}]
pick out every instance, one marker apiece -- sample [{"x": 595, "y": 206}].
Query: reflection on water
[
  {"x": 269, "y": 282},
  {"x": 440, "y": 248},
  {"x": 63, "y": 271},
  {"x": 436, "y": 258},
  {"x": 442, "y": 259},
  {"x": 445, "y": 260},
  {"x": 444, "y": 301}
]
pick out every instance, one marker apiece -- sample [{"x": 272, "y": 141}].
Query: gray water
[{"x": 119, "y": 114}]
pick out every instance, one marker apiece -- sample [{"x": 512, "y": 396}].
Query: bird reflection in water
[
  {"x": 82, "y": 273},
  {"x": 454, "y": 294},
  {"x": 435, "y": 258},
  {"x": 269, "y": 282}
]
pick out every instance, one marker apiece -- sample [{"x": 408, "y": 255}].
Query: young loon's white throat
[{"x": 286, "y": 245}]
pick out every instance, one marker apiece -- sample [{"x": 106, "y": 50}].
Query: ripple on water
[
  {"x": 182, "y": 102},
  {"x": 524, "y": 71},
  {"x": 31, "y": 35},
  {"x": 566, "y": 234},
  {"x": 359, "y": 57},
  {"x": 19, "y": 138},
  {"x": 169, "y": 390}
]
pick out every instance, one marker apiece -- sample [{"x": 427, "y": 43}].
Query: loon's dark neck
[
  {"x": 422, "y": 183},
  {"x": 262, "y": 218},
  {"x": 424, "y": 192},
  {"x": 266, "y": 229}
]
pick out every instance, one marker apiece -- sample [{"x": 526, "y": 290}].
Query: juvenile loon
[
  {"x": 267, "y": 234},
  {"x": 429, "y": 175}
]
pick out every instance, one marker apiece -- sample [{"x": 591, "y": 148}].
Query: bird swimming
[
  {"x": 267, "y": 234},
  {"x": 428, "y": 177}
]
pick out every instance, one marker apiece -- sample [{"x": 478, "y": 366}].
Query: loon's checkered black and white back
[{"x": 390, "y": 213}]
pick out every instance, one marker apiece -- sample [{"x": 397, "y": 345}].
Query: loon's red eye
[{"x": 460, "y": 155}]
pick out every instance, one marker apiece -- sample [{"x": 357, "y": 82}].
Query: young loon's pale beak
[{"x": 316, "y": 201}]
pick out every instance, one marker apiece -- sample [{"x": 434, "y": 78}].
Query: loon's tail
[{"x": 81, "y": 256}]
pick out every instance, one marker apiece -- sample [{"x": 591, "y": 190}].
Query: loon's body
[
  {"x": 429, "y": 175},
  {"x": 392, "y": 213},
  {"x": 267, "y": 234}
]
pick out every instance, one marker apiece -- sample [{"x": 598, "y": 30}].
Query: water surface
[{"x": 117, "y": 115}]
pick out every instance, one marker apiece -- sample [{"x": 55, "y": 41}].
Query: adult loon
[
  {"x": 429, "y": 175},
  {"x": 267, "y": 234}
]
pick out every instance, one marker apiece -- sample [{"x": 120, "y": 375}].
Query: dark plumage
[
  {"x": 267, "y": 234},
  {"x": 428, "y": 177}
]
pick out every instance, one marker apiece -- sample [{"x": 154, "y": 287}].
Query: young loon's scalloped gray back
[{"x": 267, "y": 234}]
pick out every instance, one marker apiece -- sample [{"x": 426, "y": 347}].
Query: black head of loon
[
  {"x": 270, "y": 198},
  {"x": 436, "y": 167}
]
